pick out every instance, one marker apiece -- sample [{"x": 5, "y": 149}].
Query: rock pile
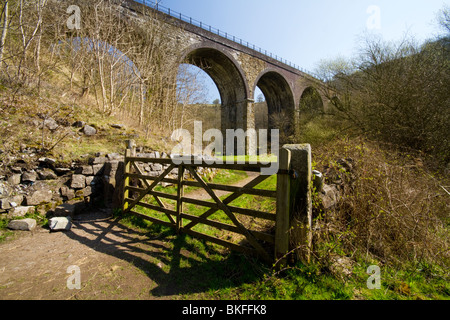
[{"x": 330, "y": 183}]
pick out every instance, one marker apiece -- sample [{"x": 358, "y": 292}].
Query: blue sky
[{"x": 304, "y": 32}]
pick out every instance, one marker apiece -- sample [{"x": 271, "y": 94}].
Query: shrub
[{"x": 392, "y": 210}]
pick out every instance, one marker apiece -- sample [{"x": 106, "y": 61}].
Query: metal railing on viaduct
[{"x": 190, "y": 20}]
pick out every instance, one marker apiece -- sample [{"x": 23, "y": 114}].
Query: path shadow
[{"x": 178, "y": 264}]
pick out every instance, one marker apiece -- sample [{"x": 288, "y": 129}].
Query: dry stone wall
[{"x": 54, "y": 190}]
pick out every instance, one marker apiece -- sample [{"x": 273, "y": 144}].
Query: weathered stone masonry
[{"x": 236, "y": 69}]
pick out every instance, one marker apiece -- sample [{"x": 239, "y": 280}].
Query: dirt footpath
[{"x": 114, "y": 263}]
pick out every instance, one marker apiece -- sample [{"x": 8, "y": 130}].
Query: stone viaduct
[{"x": 237, "y": 70}]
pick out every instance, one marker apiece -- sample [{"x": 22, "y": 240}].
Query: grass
[
  {"x": 404, "y": 276},
  {"x": 211, "y": 273},
  {"x": 397, "y": 195},
  {"x": 6, "y": 234},
  {"x": 226, "y": 177}
]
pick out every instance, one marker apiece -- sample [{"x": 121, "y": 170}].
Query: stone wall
[
  {"x": 54, "y": 190},
  {"x": 51, "y": 189}
]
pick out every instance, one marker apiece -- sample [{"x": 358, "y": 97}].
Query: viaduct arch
[{"x": 237, "y": 70}]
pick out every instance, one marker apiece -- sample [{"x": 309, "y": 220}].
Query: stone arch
[
  {"x": 229, "y": 78},
  {"x": 280, "y": 102},
  {"x": 311, "y": 101}
]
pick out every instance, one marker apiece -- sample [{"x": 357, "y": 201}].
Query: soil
[{"x": 115, "y": 262}]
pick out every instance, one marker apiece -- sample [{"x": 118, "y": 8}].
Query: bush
[
  {"x": 392, "y": 210},
  {"x": 396, "y": 93}
]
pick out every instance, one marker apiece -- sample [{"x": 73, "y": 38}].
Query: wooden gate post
[
  {"x": 129, "y": 152},
  {"x": 283, "y": 217},
  {"x": 294, "y": 204},
  {"x": 300, "y": 235}
]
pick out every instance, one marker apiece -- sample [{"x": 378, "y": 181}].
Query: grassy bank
[{"x": 392, "y": 214}]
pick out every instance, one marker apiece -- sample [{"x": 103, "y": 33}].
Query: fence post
[
  {"x": 282, "y": 214},
  {"x": 129, "y": 152},
  {"x": 300, "y": 235}
]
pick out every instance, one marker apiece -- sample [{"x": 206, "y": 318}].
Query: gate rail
[{"x": 139, "y": 191}]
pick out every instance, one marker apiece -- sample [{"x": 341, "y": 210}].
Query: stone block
[
  {"x": 20, "y": 211},
  {"x": 46, "y": 174},
  {"x": 90, "y": 180},
  {"x": 87, "y": 191},
  {"x": 14, "y": 179},
  {"x": 98, "y": 169},
  {"x": 60, "y": 223},
  {"x": 156, "y": 167},
  {"x": 38, "y": 196},
  {"x": 78, "y": 181},
  {"x": 24, "y": 224},
  {"x": 67, "y": 192},
  {"x": 99, "y": 160},
  {"x": 29, "y": 176},
  {"x": 11, "y": 202},
  {"x": 85, "y": 170},
  {"x": 62, "y": 171},
  {"x": 65, "y": 210},
  {"x": 5, "y": 189}
]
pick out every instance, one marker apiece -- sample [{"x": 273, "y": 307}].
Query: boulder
[
  {"x": 24, "y": 224},
  {"x": 341, "y": 266},
  {"x": 51, "y": 124},
  {"x": 60, "y": 223},
  {"x": 78, "y": 181},
  {"x": 89, "y": 131}
]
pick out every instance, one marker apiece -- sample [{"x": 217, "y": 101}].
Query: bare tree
[
  {"x": 397, "y": 93},
  {"x": 5, "y": 18}
]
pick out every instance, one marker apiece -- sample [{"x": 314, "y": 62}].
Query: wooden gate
[{"x": 140, "y": 194}]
